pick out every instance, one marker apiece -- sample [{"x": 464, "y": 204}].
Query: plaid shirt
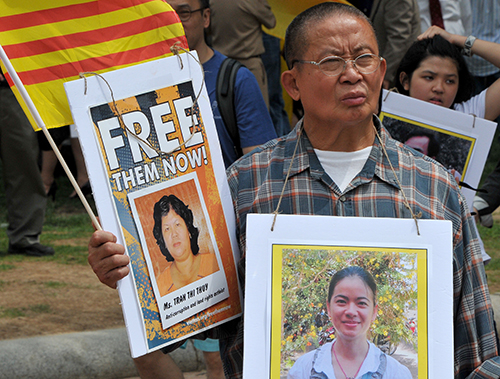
[{"x": 256, "y": 182}]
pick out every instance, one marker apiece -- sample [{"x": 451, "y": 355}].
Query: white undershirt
[{"x": 342, "y": 166}]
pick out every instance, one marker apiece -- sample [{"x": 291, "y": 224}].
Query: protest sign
[
  {"x": 459, "y": 141},
  {"x": 288, "y": 274},
  {"x": 158, "y": 178}
]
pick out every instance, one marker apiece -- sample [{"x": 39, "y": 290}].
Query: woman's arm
[{"x": 487, "y": 50}]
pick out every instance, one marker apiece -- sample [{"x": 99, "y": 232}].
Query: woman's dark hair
[
  {"x": 161, "y": 209},
  {"x": 439, "y": 47},
  {"x": 347, "y": 272}
]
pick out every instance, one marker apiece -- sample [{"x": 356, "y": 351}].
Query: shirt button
[{"x": 342, "y": 198}]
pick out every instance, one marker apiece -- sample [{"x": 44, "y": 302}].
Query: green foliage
[
  {"x": 40, "y": 308},
  {"x": 306, "y": 277},
  {"x": 12, "y": 312},
  {"x": 53, "y": 284},
  {"x": 23, "y": 311},
  {"x": 493, "y": 156},
  {"x": 6, "y": 267}
]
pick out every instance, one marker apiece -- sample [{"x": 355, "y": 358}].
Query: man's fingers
[{"x": 107, "y": 258}]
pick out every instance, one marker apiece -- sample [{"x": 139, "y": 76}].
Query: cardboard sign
[
  {"x": 158, "y": 178},
  {"x": 288, "y": 273},
  {"x": 460, "y": 142}
]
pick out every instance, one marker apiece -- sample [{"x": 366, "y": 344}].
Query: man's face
[
  {"x": 349, "y": 98},
  {"x": 194, "y": 28}
]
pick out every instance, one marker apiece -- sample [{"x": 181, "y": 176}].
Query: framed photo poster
[
  {"x": 154, "y": 161},
  {"x": 459, "y": 141},
  {"x": 292, "y": 303}
]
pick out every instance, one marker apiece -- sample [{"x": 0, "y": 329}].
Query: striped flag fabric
[
  {"x": 285, "y": 12},
  {"x": 50, "y": 42}
]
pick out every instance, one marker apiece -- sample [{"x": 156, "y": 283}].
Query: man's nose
[{"x": 351, "y": 72}]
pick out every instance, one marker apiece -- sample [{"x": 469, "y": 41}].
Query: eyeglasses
[
  {"x": 334, "y": 66},
  {"x": 185, "y": 14}
]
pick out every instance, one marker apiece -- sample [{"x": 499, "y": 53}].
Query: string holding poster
[
  {"x": 303, "y": 274},
  {"x": 158, "y": 178},
  {"x": 459, "y": 141}
]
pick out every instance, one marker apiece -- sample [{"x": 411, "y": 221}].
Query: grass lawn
[
  {"x": 491, "y": 240},
  {"x": 67, "y": 228}
]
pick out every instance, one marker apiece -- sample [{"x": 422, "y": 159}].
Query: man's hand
[{"x": 107, "y": 258}]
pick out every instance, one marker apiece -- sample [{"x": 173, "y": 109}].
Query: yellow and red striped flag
[
  {"x": 51, "y": 42},
  {"x": 285, "y": 12}
]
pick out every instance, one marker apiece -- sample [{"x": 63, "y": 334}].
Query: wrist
[{"x": 467, "y": 50}]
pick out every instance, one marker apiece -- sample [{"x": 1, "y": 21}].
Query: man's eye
[{"x": 332, "y": 64}]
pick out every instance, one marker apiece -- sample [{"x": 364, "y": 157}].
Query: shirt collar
[
  {"x": 377, "y": 164},
  {"x": 324, "y": 360}
]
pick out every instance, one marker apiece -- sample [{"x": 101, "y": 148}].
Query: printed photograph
[
  {"x": 343, "y": 301},
  {"x": 450, "y": 149},
  {"x": 177, "y": 236},
  {"x": 180, "y": 249}
]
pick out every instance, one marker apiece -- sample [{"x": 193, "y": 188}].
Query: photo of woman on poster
[
  {"x": 352, "y": 308},
  {"x": 177, "y": 238}
]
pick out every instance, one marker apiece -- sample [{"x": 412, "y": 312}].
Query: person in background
[
  {"x": 24, "y": 191},
  {"x": 455, "y": 16},
  {"x": 434, "y": 70},
  {"x": 486, "y": 26},
  {"x": 272, "y": 62},
  {"x": 236, "y": 31},
  {"x": 49, "y": 160},
  {"x": 253, "y": 120},
  {"x": 397, "y": 24}
]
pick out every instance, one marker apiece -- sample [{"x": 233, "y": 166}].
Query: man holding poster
[{"x": 340, "y": 161}]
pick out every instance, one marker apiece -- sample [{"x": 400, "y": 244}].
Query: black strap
[{"x": 224, "y": 90}]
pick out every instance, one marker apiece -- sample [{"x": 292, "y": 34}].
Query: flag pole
[{"x": 36, "y": 116}]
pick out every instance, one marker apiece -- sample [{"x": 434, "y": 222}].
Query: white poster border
[
  {"x": 435, "y": 236},
  {"x": 480, "y": 130},
  {"x": 126, "y": 82}
]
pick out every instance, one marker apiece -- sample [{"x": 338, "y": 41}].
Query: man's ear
[
  {"x": 206, "y": 18},
  {"x": 290, "y": 84},
  {"x": 383, "y": 70},
  {"x": 404, "y": 80}
]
